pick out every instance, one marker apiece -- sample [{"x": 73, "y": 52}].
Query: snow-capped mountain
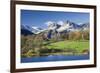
[
  {"x": 52, "y": 26},
  {"x": 37, "y": 30},
  {"x": 26, "y": 27},
  {"x": 85, "y": 26},
  {"x": 55, "y": 27},
  {"x": 27, "y": 30},
  {"x": 65, "y": 26}
]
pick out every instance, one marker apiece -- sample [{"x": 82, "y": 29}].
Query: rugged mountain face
[
  {"x": 85, "y": 26},
  {"x": 37, "y": 30},
  {"x": 65, "y": 27},
  {"x": 54, "y": 28},
  {"x": 25, "y": 30}
]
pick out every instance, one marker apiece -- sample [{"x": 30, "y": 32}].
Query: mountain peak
[{"x": 59, "y": 26}]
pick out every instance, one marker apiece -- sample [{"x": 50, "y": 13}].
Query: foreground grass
[{"x": 77, "y": 45}]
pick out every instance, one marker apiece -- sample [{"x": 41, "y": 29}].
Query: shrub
[{"x": 75, "y": 35}]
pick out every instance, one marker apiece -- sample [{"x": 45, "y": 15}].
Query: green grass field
[{"x": 68, "y": 44}]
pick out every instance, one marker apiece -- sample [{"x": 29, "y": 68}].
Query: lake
[{"x": 54, "y": 58}]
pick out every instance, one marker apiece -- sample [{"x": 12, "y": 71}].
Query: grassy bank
[{"x": 68, "y": 44}]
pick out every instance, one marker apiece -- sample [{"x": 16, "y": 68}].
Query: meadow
[{"x": 68, "y": 44}]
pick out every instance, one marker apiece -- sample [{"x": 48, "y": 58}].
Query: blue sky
[{"x": 39, "y": 18}]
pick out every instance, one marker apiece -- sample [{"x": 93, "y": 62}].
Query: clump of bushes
[{"x": 79, "y": 35}]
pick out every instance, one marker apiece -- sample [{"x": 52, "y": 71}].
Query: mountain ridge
[{"x": 64, "y": 26}]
